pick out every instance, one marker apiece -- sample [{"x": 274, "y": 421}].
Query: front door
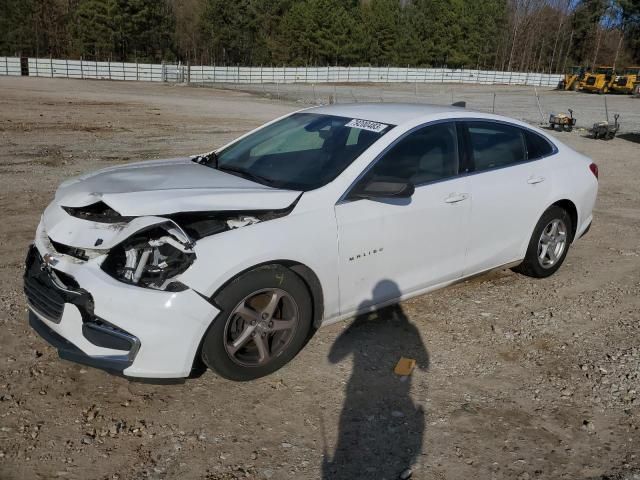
[{"x": 391, "y": 247}]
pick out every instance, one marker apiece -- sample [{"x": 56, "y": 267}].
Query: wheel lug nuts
[
  {"x": 270, "y": 324},
  {"x": 253, "y": 322},
  {"x": 264, "y": 316}
]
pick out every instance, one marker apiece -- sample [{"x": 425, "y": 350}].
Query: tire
[
  {"x": 533, "y": 265},
  {"x": 251, "y": 293}
]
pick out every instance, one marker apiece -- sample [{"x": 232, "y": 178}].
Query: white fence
[{"x": 52, "y": 68}]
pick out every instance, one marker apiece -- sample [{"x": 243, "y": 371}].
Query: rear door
[{"x": 509, "y": 188}]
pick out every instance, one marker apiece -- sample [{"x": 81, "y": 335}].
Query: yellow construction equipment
[
  {"x": 598, "y": 81},
  {"x": 572, "y": 78},
  {"x": 624, "y": 83}
]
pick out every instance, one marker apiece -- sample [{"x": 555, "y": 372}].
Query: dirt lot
[{"x": 518, "y": 378}]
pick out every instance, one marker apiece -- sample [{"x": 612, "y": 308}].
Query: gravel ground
[{"x": 517, "y": 378}]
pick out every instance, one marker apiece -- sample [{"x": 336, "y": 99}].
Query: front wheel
[
  {"x": 265, "y": 320},
  {"x": 549, "y": 244}
]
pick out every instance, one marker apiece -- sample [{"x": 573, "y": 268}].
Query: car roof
[{"x": 393, "y": 113}]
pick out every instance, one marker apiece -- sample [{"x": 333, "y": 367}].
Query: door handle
[
  {"x": 456, "y": 197},
  {"x": 534, "y": 180}
]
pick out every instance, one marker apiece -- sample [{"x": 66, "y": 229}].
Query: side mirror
[{"x": 383, "y": 188}]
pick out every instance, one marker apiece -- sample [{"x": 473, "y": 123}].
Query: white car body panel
[
  {"x": 421, "y": 245},
  {"x": 504, "y": 205},
  {"x": 393, "y": 237}
]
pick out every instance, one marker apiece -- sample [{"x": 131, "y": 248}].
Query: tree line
[{"x": 522, "y": 35}]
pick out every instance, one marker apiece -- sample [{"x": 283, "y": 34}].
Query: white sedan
[{"x": 236, "y": 257}]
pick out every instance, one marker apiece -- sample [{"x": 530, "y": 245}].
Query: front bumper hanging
[{"x": 48, "y": 292}]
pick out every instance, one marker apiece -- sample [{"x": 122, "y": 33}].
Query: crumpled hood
[
  {"x": 170, "y": 186},
  {"x": 149, "y": 191}
]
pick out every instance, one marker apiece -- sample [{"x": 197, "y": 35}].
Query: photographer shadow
[{"x": 381, "y": 428}]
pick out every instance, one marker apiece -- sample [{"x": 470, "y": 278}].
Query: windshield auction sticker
[{"x": 367, "y": 125}]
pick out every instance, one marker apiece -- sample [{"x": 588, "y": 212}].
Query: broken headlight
[{"x": 152, "y": 258}]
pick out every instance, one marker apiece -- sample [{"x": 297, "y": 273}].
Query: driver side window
[{"x": 423, "y": 156}]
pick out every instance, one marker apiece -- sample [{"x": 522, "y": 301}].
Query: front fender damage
[{"x": 149, "y": 251}]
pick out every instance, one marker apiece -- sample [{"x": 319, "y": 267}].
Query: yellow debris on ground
[{"x": 404, "y": 366}]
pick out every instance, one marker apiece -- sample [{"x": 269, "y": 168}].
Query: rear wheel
[
  {"x": 265, "y": 320},
  {"x": 549, "y": 244}
]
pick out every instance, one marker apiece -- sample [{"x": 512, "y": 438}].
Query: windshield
[
  {"x": 604, "y": 70},
  {"x": 301, "y": 152}
]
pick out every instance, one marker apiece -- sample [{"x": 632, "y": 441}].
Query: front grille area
[
  {"x": 591, "y": 81},
  {"x": 40, "y": 290},
  {"x": 48, "y": 290},
  {"x": 622, "y": 81}
]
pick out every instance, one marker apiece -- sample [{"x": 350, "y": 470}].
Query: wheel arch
[
  {"x": 307, "y": 275},
  {"x": 571, "y": 209},
  {"x": 309, "y": 278}
]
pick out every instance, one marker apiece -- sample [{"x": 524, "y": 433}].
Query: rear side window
[
  {"x": 495, "y": 145},
  {"x": 537, "y": 145}
]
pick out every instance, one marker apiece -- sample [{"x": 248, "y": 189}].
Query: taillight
[{"x": 594, "y": 169}]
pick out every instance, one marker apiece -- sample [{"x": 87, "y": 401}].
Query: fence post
[
  {"x": 81, "y": 69},
  {"x": 51, "y": 65},
  {"x": 6, "y": 64},
  {"x": 189, "y": 71},
  {"x": 108, "y": 67},
  {"x": 406, "y": 76}
]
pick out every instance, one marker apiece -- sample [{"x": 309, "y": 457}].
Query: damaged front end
[
  {"x": 152, "y": 258},
  {"x": 151, "y": 251}
]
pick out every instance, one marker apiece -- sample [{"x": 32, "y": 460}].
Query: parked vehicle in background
[
  {"x": 626, "y": 82},
  {"x": 598, "y": 81},
  {"x": 236, "y": 256},
  {"x": 572, "y": 78}
]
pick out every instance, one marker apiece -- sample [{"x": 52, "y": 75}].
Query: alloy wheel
[
  {"x": 260, "y": 327},
  {"x": 552, "y": 243}
]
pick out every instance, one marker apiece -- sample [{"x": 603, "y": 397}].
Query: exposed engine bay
[{"x": 163, "y": 248}]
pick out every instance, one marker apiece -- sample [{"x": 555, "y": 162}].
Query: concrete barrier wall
[{"x": 54, "y": 68}]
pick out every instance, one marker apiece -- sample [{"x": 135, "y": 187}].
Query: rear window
[
  {"x": 495, "y": 145},
  {"x": 537, "y": 145}
]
